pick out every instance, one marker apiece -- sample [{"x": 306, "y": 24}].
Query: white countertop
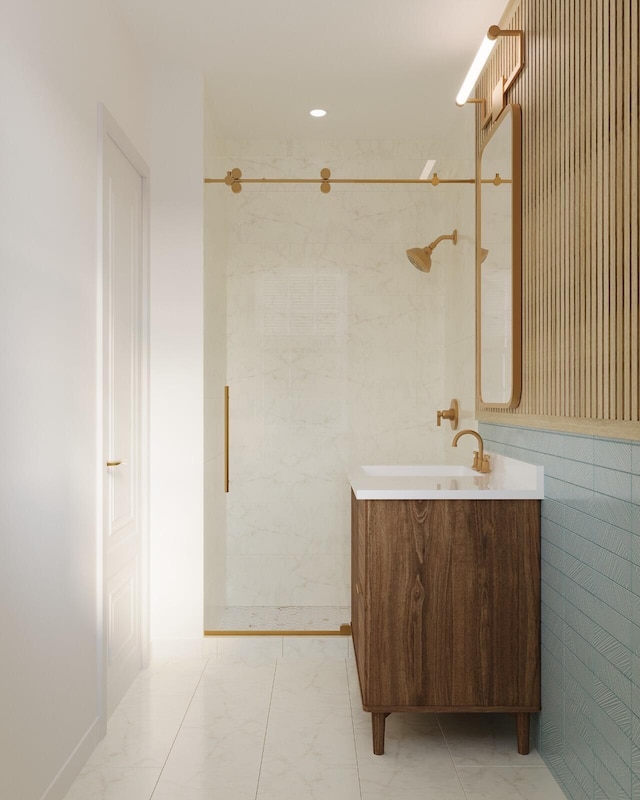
[{"x": 509, "y": 479}]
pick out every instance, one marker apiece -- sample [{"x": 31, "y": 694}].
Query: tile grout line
[
  {"x": 184, "y": 716},
  {"x": 266, "y": 727},
  {"x": 453, "y": 761},
  {"x": 353, "y": 729}
]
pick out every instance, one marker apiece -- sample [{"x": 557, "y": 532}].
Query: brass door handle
[
  {"x": 114, "y": 463},
  {"x": 226, "y": 439}
]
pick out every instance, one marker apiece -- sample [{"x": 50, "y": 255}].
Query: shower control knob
[{"x": 451, "y": 414}]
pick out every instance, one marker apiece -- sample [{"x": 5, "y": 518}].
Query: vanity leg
[
  {"x": 522, "y": 731},
  {"x": 377, "y": 726}
]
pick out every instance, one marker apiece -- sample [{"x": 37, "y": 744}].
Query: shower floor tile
[{"x": 284, "y": 618}]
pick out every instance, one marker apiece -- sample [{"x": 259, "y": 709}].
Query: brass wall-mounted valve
[{"x": 451, "y": 414}]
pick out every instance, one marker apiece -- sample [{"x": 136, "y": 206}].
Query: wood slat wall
[{"x": 579, "y": 93}]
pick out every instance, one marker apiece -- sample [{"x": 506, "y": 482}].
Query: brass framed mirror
[{"x": 499, "y": 264}]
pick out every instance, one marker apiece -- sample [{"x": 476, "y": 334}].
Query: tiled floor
[
  {"x": 284, "y": 618},
  {"x": 279, "y": 718}
]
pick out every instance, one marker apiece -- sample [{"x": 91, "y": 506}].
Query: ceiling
[{"x": 381, "y": 68}]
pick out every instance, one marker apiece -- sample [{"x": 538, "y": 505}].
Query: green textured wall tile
[
  {"x": 605, "y": 785},
  {"x": 579, "y": 779},
  {"x": 552, "y": 620},
  {"x": 590, "y": 608},
  {"x": 579, "y": 473},
  {"x": 604, "y": 561},
  {"x": 578, "y": 448},
  {"x": 598, "y": 531},
  {"x": 613, "y": 510},
  {"x": 612, "y": 483},
  {"x": 615, "y": 454},
  {"x": 553, "y": 511}
]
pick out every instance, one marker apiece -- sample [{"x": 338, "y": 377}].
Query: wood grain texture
[
  {"x": 579, "y": 93},
  {"x": 451, "y": 604}
]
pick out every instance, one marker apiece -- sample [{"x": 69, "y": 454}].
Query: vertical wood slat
[
  {"x": 634, "y": 256},
  {"x": 593, "y": 233},
  {"x": 581, "y": 178}
]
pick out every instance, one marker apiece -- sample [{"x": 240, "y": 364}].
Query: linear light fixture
[{"x": 482, "y": 56}]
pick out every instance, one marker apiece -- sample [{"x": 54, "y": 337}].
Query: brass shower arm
[{"x": 235, "y": 180}]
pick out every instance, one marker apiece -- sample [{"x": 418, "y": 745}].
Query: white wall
[
  {"x": 177, "y": 436},
  {"x": 57, "y": 62}
]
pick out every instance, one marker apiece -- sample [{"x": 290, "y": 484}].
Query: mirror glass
[{"x": 498, "y": 265}]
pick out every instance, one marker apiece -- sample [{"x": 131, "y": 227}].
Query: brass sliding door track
[{"x": 235, "y": 180}]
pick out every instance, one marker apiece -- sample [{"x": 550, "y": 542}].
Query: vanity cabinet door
[
  {"x": 452, "y": 604},
  {"x": 409, "y": 624}
]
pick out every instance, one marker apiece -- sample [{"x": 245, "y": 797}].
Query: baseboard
[{"x": 61, "y": 784}]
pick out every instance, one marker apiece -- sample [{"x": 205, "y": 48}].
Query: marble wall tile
[
  {"x": 335, "y": 354},
  {"x": 284, "y": 580}
]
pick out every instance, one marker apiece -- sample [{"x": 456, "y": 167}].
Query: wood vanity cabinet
[{"x": 446, "y": 608}]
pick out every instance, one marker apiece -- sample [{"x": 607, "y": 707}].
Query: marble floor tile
[
  {"x": 311, "y": 685},
  {"x": 438, "y": 783},
  {"x": 223, "y": 760},
  {"x": 311, "y": 784},
  {"x": 328, "y": 647},
  {"x": 114, "y": 783},
  {"x": 167, "y": 677},
  {"x": 127, "y": 745},
  {"x": 310, "y": 755},
  {"x": 262, "y": 720},
  {"x": 250, "y": 649},
  {"x": 484, "y": 740},
  {"x": 509, "y": 783},
  {"x": 231, "y": 691}
]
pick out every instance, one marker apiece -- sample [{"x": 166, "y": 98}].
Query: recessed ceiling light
[{"x": 318, "y": 112}]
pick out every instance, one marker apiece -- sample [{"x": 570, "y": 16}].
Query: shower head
[{"x": 420, "y": 257}]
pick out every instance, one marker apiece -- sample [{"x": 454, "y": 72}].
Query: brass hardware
[
  {"x": 358, "y": 589},
  {"x": 451, "y": 414},
  {"x": 253, "y": 632},
  {"x": 234, "y": 180},
  {"x": 478, "y": 65},
  {"x": 497, "y": 100},
  {"x": 420, "y": 257},
  {"x": 480, "y": 461},
  {"x": 114, "y": 463},
  {"x": 226, "y": 438},
  {"x": 325, "y": 186},
  {"x": 487, "y": 395}
]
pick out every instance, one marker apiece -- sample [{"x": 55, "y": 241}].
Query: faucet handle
[{"x": 485, "y": 466}]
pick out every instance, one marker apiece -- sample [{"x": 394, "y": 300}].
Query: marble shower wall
[{"x": 335, "y": 350}]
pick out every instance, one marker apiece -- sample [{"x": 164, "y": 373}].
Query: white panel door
[{"x": 122, "y": 343}]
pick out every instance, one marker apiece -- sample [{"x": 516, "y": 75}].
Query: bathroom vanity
[{"x": 446, "y": 591}]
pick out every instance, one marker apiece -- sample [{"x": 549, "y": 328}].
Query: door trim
[{"x": 109, "y": 128}]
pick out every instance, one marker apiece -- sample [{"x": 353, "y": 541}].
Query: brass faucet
[{"x": 480, "y": 461}]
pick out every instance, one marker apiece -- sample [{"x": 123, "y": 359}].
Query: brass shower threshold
[{"x": 344, "y": 630}]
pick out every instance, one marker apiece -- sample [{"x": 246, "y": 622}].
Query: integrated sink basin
[{"x": 509, "y": 479}]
